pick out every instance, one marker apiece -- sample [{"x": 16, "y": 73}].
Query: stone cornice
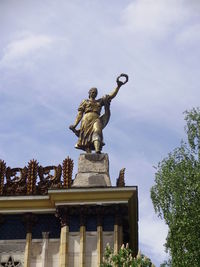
[{"x": 83, "y": 196}]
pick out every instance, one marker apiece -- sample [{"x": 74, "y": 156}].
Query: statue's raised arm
[
  {"x": 119, "y": 84},
  {"x": 92, "y": 123}
]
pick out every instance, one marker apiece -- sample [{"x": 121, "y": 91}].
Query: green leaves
[
  {"x": 176, "y": 196},
  {"x": 193, "y": 129}
]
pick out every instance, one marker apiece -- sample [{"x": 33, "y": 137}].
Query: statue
[{"x": 90, "y": 136}]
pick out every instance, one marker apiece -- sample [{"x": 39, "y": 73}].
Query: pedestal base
[{"x": 93, "y": 171}]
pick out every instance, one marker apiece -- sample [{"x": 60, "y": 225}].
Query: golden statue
[{"x": 90, "y": 136}]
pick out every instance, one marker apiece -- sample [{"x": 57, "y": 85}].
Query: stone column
[
  {"x": 99, "y": 211},
  {"x": 27, "y": 253},
  {"x": 29, "y": 219},
  {"x": 82, "y": 236},
  {"x": 120, "y": 235},
  {"x": 45, "y": 236},
  {"x": 118, "y": 239},
  {"x": 63, "y": 214}
]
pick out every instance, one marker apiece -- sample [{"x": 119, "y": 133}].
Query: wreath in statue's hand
[{"x": 120, "y": 83}]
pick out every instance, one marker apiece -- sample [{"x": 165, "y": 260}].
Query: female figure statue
[{"x": 90, "y": 136}]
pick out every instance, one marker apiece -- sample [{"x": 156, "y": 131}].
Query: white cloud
[
  {"x": 152, "y": 231},
  {"x": 154, "y": 18},
  {"x": 22, "y": 47},
  {"x": 153, "y": 234}
]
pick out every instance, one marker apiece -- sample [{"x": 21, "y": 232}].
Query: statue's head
[{"x": 93, "y": 92}]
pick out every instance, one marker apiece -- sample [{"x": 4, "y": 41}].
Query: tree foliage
[
  {"x": 176, "y": 196},
  {"x": 124, "y": 258}
]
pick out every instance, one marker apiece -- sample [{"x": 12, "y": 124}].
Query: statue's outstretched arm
[
  {"x": 78, "y": 119},
  {"x": 119, "y": 84},
  {"x": 114, "y": 92}
]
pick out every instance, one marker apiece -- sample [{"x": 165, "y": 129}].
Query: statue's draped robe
[{"x": 91, "y": 110}]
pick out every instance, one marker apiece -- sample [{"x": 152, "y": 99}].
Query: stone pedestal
[{"x": 93, "y": 171}]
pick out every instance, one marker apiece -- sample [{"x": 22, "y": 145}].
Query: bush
[{"x": 124, "y": 258}]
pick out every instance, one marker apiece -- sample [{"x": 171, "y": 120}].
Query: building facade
[{"x": 45, "y": 221}]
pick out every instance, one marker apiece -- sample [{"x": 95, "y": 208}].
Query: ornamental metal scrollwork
[
  {"x": 67, "y": 166},
  {"x": 16, "y": 181},
  {"x": 47, "y": 180},
  {"x": 121, "y": 179},
  {"x": 34, "y": 179},
  {"x": 2, "y": 175}
]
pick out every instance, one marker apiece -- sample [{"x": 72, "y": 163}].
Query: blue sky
[{"x": 53, "y": 52}]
